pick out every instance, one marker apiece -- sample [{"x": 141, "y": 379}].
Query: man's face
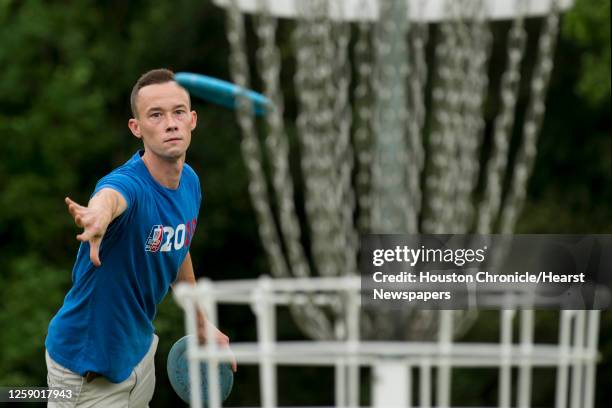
[{"x": 164, "y": 121}]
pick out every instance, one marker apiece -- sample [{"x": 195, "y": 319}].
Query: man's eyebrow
[
  {"x": 158, "y": 108},
  {"x": 153, "y": 109}
]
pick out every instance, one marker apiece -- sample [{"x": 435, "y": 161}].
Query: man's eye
[
  {"x": 156, "y": 115},
  {"x": 180, "y": 112}
]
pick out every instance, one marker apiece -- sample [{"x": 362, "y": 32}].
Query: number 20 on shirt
[{"x": 164, "y": 238}]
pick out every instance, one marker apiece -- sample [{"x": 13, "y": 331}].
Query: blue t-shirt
[{"x": 105, "y": 324}]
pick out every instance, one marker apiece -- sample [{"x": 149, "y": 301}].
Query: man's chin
[
  {"x": 169, "y": 153},
  {"x": 175, "y": 155},
  {"x": 172, "y": 154}
]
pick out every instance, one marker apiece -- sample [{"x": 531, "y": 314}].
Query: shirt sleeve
[
  {"x": 195, "y": 182},
  {"x": 122, "y": 183}
]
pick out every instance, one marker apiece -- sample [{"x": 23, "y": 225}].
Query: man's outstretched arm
[
  {"x": 186, "y": 274},
  {"x": 106, "y": 205}
]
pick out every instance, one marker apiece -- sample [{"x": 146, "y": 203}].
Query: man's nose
[{"x": 171, "y": 123}]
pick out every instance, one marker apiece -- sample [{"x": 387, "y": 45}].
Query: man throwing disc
[{"x": 137, "y": 230}]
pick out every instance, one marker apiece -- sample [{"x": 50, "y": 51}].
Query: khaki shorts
[{"x": 135, "y": 392}]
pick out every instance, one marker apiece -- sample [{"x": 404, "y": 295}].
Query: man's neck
[{"x": 165, "y": 172}]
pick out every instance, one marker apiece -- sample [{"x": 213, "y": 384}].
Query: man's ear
[
  {"x": 194, "y": 119},
  {"x": 135, "y": 127}
]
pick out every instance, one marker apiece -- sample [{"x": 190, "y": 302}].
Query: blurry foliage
[
  {"x": 67, "y": 72},
  {"x": 571, "y": 187},
  {"x": 588, "y": 24},
  {"x": 30, "y": 295}
]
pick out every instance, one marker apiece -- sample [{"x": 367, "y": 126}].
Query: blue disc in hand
[{"x": 178, "y": 373}]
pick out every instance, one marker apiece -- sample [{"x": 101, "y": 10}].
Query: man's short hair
[{"x": 153, "y": 77}]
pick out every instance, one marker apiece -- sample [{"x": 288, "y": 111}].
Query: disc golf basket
[{"x": 402, "y": 117}]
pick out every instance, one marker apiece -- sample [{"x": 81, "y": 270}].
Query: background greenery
[{"x": 67, "y": 70}]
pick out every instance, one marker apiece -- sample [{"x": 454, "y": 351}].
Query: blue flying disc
[
  {"x": 178, "y": 373},
  {"x": 221, "y": 92}
]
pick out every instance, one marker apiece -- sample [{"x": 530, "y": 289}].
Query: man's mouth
[{"x": 172, "y": 139}]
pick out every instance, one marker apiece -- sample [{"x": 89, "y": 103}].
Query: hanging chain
[
  {"x": 415, "y": 121},
  {"x": 457, "y": 135},
  {"x": 315, "y": 125},
  {"x": 476, "y": 44},
  {"x": 504, "y": 122},
  {"x": 363, "y": 135},
  {"x": 390, "y": 211},
  {"x": 514, "y": 202},
  {"x": 438, "y": 180},
  {"x": 276, "y": 141},
  {"x": 344, "y": 160},
  {"x": 310, "y": 318},
  {"x": 250, "y": 148}
]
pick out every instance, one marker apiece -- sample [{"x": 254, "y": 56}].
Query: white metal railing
[{"x": 573, "y": 356}]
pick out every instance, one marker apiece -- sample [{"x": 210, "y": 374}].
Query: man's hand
[
  {"x": 105, "y": 206},
  {"x": 221, "y": 339},
  {"x": 94, "y": 222},
  {"x": 186, "y": 274}
]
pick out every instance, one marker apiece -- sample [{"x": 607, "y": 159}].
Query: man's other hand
[
  {"x": 94, "y": 221},
  {"x": 222, "y": 340},
  {"x": 106, "y": 205}
]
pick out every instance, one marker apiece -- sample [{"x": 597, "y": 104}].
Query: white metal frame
[
  {"x": 574, "y": 355},
  {"x": 418, "y": 10}
]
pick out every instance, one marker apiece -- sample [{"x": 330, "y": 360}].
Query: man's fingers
[
  {"x": 234, "y": 364},
  {"x": 72, "y": 206},
  {"x": 75, "y": 210},
  {"x": 72, "y": 209},
  {"x": 69, "y": 202},
  {"x": 222, "y": 341},
  {"x": 94, "y": 252},
  {"x": 94, "y": 246},
  {"x": 84, "y": 236}
]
